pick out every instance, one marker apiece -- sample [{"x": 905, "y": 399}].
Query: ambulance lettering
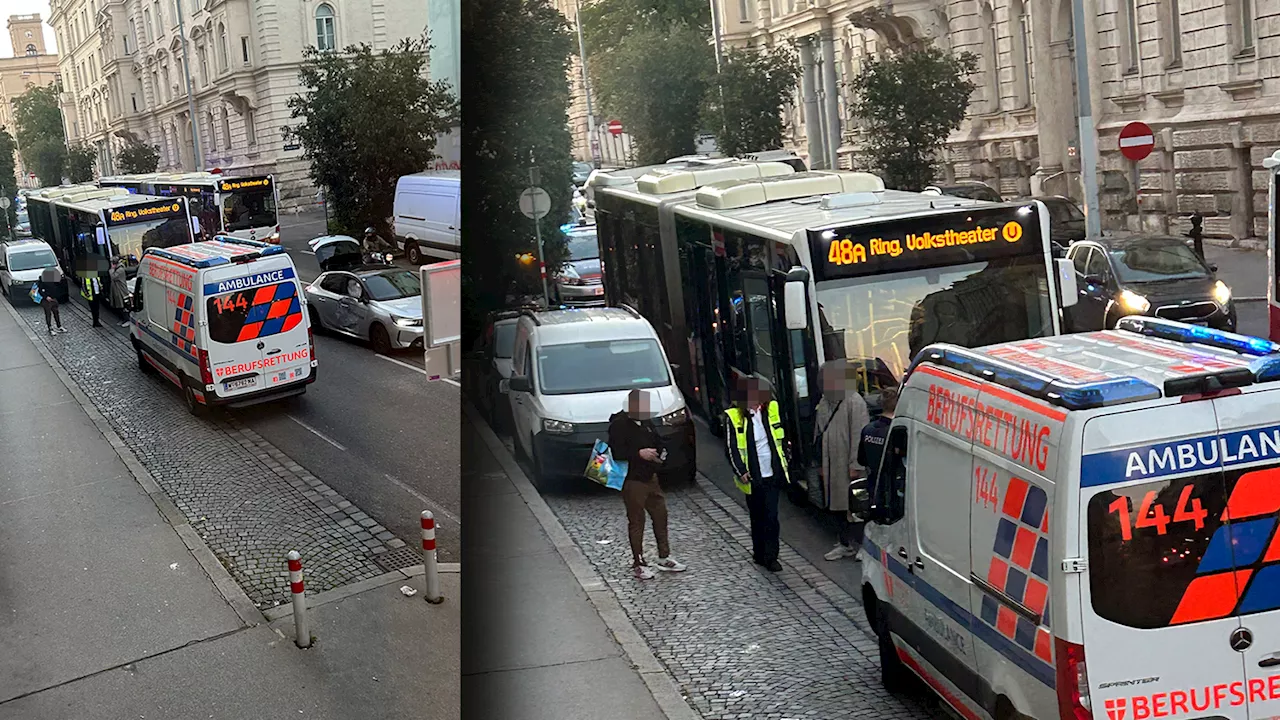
[
  {"x": 1015, "y": 437},
  {"x": 1210, "y": 698},
  {"x": 242, "y": 368},
  {"x": 248, "y": 281},
  {"x": 1193, "y": 454}
]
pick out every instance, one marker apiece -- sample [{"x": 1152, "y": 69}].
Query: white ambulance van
[
  {"x": 1084, "y": 526},
  {"x": 223, "y": 320}
]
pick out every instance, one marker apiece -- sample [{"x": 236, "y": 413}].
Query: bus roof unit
[
  {"x": 665, "y": 179},
  {"x": 746, "y": 193}
]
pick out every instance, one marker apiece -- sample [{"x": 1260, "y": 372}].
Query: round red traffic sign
[
  {"x": 1137, "y": 141},
  {"x": 615, "y": 127}
]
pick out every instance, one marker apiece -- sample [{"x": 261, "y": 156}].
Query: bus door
[{"x": 701, "y": 307}]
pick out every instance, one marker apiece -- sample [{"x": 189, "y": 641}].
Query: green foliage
[
  {"x": 909, "y": 103},
  {"x": 137, "y": 158},
  {"x": 607, "y": 24},
  {"x": 518, "y": 121},
  {"x": 8, "y": 182},
  {"x": 744, "y": 102},
  {"x": 38, "y": 125},
  {"x": 368, "y": 118},
  {"x": 80, "y": 159}
]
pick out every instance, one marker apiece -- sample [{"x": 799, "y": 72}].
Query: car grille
[{"x": 1195, "y": 311}]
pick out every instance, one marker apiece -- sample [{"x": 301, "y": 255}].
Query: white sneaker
[
  {"x": 61, "y": 329},
  {"x": 670, "y": 564},
  {"x": 51, "y": 332},
  {"x": 840, "y": 552},
  {"x": 642, "y": 572}
]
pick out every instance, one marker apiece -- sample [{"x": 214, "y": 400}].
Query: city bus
[
  {"x": 40, "y": 208},
  {"x": 243, "y": 207},
  {"x": 772, "y": 277}
]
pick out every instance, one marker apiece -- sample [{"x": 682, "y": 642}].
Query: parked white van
[
  {"x": 428, "y": 216},
  {"x": 21, "y": 264},
  {"x": 223, "y": 321},
  {"x": 1107, "y": 498}
]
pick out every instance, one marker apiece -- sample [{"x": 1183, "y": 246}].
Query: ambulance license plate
[{"x": 240, "y": 384}]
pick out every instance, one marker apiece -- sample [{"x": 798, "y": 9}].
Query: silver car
[
  {"x": 579, "y": 282},
  {"x": 380, "y": 304}
]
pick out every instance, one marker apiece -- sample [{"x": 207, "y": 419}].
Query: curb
[
  {"x": 659, "y": 682},
  {"x": 222, "y": 580}
]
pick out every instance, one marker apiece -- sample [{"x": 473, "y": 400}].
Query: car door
[
  {"x": 521, "y": 402},
  {"x": 353, "y": 313},
  {"x": 1090, "y": 312},
  {"x": 324, "y": 298}
]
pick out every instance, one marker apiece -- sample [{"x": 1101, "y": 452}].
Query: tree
[
  {"x": 520, "y": 120},
  {"x": 650, "y": 65},
  {"x": 367, "y": 118},
  {"x": 744, "y": 102},
  {"x": 79, "y": 166},
  {"x": 38, "y": 125},
  {"x": 138, "y": 158},
  {"x": 909, "y": 103},
  {"x": 8, "y": 182}
]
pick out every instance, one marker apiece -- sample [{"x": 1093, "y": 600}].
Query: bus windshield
[
  {"x": 880, "y": 322},
  {"x": 130, "y": 240},
  {"x": 245, "y": 209}
]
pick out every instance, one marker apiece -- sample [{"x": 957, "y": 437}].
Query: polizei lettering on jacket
[
  {"x": 1017, "y": 438},
  {"x": 248, "y": 281},
  {"x": 1181, "y": 456}
]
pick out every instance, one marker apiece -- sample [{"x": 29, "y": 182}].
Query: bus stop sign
[{"x": 1137, "y": 141}]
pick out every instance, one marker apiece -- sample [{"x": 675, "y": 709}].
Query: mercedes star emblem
[{"x": 1241, "y": 639}]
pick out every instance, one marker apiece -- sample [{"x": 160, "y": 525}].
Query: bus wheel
[{"x": 412, "y": 252}]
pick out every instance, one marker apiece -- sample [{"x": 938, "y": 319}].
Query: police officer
[
  {"x": 874, "y": 434},
  {"x": 757, "y": 451}
]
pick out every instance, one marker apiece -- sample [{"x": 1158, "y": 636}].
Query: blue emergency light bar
[
  {"x": 1184, "y": 333},
  {"x": 264, "y": 248}
]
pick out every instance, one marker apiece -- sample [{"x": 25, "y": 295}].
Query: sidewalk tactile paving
[
  {"x": 739, "y": 641},
  {"x": 248, "y": 501}
]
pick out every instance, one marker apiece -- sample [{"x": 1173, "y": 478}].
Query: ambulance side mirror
[
  {"x": 860, "y": 499},
  {"x": 1068, "y": 291}
]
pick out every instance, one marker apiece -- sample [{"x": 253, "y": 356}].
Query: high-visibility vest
[
  {"x": 86, "y": 287},
  {"x": 741, "y": 422}
]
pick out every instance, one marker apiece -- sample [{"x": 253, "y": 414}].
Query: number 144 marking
[{"x": 988, "y": 489}]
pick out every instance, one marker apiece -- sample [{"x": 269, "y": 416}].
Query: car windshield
[
  {"x": 583, "y": 246},
  {"x": 1157, "y": 261},
  {"x": 32, "y": 260},
  {"x": 601, "y": 366},
  {"x": 582, "y": 168},
  {"x": 504, "y": 340},
  {"x": 1063, "y": 211},
  {"x": 393, "y": 285},
  {"x": 249, "y": 209},
  {"x": 881, "y": 322},
  {"x": 23, "y": 218}
]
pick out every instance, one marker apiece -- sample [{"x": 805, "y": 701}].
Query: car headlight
[
  {"x": 406, "y": 321},
  {"x": 1221, "y": 293},
  {"x": 559, "y": 427},
  {"x": 674, "y": 418},
  {"x": 1133, "y": 301}
]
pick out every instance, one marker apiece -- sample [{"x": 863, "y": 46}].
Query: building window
[
  {"x": 1020, "y": 35},
  {"x": 1171, "y": 22},
  {"x": 1248, "y": 13},
  {"x": 146, "y": 19},
  {"x": 244, "y": 49},
  {"x": 222, "y": 46},
  {"x": 164, "y": 76},
  {"x": 250, "y": 134},
  {"x": 324, "y": 28},
  {"x": 125, "y": 39},
  {"x": 213, "y": 137},
  {"x": 744, "y": 10},
  {"x": 1131, "y": 36},
  {"x": 991, "y": 56},
  {"x": 155, "y": 6},
  {"x": 31, "y": 50},
  {"x": 226, "y": 129},
  {"x": 204, "y": 63},
  {"x": 133, "y": 99}
]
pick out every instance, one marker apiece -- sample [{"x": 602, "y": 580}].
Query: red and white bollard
[
  {"x": 432, "y": 573},
  {"x": 303, "y": 639}
]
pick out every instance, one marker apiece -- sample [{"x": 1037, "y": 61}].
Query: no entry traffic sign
[
  {"x": 1137, "y": 141},
  {"x": 615, "y": 127}
]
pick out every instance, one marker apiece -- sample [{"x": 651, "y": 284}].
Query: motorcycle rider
[{"x": 375, "y": 246}]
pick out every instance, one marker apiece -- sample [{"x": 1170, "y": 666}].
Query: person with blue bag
[{"x": 633, "y": 440}]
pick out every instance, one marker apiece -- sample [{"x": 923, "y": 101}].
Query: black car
[
  {"x": 1066, "y": 220},
  {"x": 581, "y": 171},
  {"x": 970, "y": 190},
  {"x": 1154, "y": 275}
]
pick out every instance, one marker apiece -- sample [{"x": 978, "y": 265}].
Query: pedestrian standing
[
  {"x": 119, "y": 286},
  {"x": 757, "y": 450},
  {"x": 50, "y": 287},
  {"x": 841, "y": 415},
  {"x": 874, "y": 435},
  {"x": 633, "y": 439},
  {"x": 1197, "y": 233},
  {"x": 91, "y": 289}
]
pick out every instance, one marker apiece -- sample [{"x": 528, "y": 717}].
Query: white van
[
  {"x": 428, "y": 215},
  {"x": 572, "y": 370},
  {"x": 21, "y": 264},
  {"x": 1084, "y": 526},
  {"x": 223, "y": 321}
]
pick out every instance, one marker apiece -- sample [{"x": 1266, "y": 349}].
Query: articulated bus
[
  {"x": 243, "y": 207},
  {"x": 772, "y": 277}
]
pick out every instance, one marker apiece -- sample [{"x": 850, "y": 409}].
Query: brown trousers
[{"x": 639, "y": 497}]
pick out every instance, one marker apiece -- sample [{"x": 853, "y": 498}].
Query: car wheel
[
  {"x": 379, "y": 339},
  {"x": 143, "y": 365},
  {"x": 894, "y": 675},
  {"x": 539, "y": 478},
  {"x": 412, "y": 252},
  {"x": 194, "y": 406}
]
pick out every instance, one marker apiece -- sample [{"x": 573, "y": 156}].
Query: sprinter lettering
[
  {"x": 242, "y": 368},
  {"x": 1015, "y": 437}
]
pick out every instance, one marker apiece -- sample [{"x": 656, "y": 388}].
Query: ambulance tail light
[
  {"x": 311, "y": 344},
  {"x": 1073, "y": 682},
  {"x": 206, "y": 373}
]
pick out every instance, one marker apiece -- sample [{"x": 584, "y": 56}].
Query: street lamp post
[
  {"x": 191, "y": 96},
  {"x": 592, "y": 141}
]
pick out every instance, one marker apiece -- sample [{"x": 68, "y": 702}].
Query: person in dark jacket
[
  {"x": 871, "y": 447},
  {"x": 1197, "y": 233},
  {"x": 633, "y": 439},
  {"x": 50, "y": 287}
]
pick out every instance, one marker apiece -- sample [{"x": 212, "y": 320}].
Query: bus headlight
[
  {"x": 1221, "y": 293},
  {"x": 1133, "y": 301},
  {"x": 559, "y": 427}
]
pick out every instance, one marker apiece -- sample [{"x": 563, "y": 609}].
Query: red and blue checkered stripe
[
  {"x": 1020, "y": 568},
  {"x": 274, "y": 309}
]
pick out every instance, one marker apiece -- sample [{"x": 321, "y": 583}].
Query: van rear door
[
  {"x": 1161, "y": 584},
  {"x": 1249, "y": 448}
]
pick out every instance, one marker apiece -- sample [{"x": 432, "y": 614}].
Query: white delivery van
[
  {"x": 223, "y": 321},
  {"x": 428, "y": 215},
  {"x": 1084, "y": 527}
]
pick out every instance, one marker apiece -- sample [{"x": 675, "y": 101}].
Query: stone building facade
[
  {"x": 125, "y": 78},
  {"x": 1204, "y": 74},
  {"x": 31, "y": 65}
]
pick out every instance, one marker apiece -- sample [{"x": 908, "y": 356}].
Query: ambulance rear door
[{"x": 1158, "y": 600}]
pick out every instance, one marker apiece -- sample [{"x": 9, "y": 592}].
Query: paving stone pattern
[
  {"x": 740, "y": 641},
  {"x": 250, "y": 502}
]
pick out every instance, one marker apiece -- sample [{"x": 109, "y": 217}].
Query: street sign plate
[
  {"x": 535, "y": 203},
  {"x": 615, "y": 127},
  {"x": 1137, "y": 141},
  {"x": 5, "y": 203}
]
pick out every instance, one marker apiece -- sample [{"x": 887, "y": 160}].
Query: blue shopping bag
[
  {"x": 603, "y": 469},
  {"x": 36, "y": 297}
]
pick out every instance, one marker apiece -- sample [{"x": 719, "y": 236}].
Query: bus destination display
[
  {"x": 160, "y": 210},
  {"x": 976, "y": 235},
  {"x": 253, "y": 183}
]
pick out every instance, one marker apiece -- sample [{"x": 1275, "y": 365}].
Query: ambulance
[
  {"x": 223, "y": 320},
  {"x": 1083, "y": 527}
]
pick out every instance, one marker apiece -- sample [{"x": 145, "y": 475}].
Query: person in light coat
[
  {"x": 841, "y": 415},
  {"x": 119, "y": 282}
]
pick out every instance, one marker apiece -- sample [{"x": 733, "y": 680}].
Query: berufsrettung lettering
[{"x": 254, "y": 366}]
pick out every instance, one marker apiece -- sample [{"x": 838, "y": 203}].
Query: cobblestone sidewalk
[
  {"x": 250, "y": 502},
  {"x": 741, "y": 641}
]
